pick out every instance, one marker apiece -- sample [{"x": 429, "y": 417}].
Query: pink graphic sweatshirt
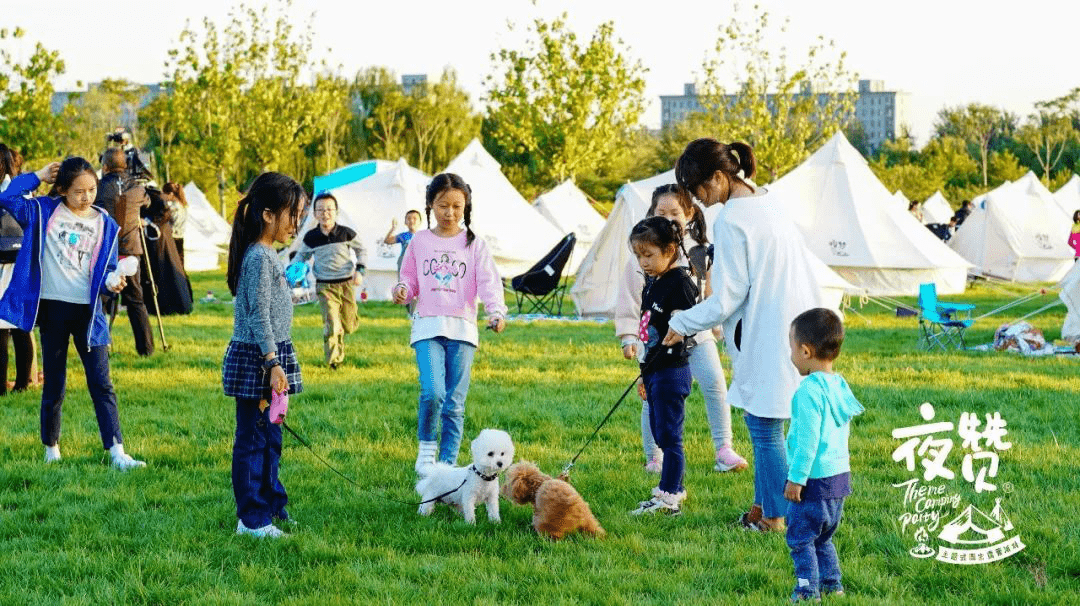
[{"x": 446, "y": 277}]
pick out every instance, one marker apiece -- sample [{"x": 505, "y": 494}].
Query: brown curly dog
[{"x": 558, "y": 509}]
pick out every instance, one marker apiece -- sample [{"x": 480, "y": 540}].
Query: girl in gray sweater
[{"x": 260, "y": 357}]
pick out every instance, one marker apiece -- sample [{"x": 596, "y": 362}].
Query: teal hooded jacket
[{"x": 817, "y": 440}]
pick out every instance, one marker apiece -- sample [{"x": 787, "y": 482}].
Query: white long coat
[{"x": 760, "y": 276}]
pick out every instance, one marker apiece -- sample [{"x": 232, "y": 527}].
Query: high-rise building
[{"x": 884, "y": 114}]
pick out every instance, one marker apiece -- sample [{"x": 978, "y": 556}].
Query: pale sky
[{"x": 942, "y": 52}]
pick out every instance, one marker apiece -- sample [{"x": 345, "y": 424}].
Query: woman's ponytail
[
  {"x": 279, "y": 194},
  {"x": 747, "y": 162}
]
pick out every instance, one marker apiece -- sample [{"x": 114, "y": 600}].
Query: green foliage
[
  {"x": 26, "y": 119},
  {"x": 77, "y": 532},
  {"x": 783, "y": 111},
  {"x": 559, "y": 108},
  {"x": 982, "y": 127},
  {"x": 240, "y": 104},
  {"x": 428, "y": 126},
  {"x": 1049, "y": 130},
  {"x": 92, "y": 115}
]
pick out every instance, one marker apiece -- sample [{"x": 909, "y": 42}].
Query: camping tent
[
  {"x": 1017, "y": 232},
  {"x": 1068, "y": 197},
  {"x": 569, "y": 210},
  {"x": 207, "y": 235},
  {"x": 595, "y": 287},
  {"x": 936, "y": 209},
  {"x": 370, "y": 195},
  {"x": 517, "y": 235},
  {"x": 851, "y": 222}
]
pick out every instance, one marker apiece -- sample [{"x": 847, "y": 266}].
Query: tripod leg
[{"x": 154, "y": 291}]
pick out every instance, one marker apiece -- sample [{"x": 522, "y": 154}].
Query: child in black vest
[{"x": 665, "y": 371}]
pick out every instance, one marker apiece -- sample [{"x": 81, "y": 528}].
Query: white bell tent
[
  {"x": 852, "y": 223},
  {"x": 206, "y": 235},
  {"x": 936, "y": 209},
  {"x": 569, "y": 210},
  {"x": 1017, "y": 232},
  {"x": 516, "y": 233},
  {"x": 595, "y": 288},
  {"x": 371, "y": 195},
  {"x": 1068, "y": 196}
]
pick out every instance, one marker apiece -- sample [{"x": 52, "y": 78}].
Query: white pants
[{"x": 706, "y": 369}]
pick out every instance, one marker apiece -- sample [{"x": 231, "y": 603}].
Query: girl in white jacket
[{"x": 670, "y": 203}]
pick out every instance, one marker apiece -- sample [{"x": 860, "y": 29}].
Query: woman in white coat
[{"x": 761, "y": 280}]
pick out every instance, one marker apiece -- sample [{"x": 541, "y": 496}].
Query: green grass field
[{"x": 80, "y": 533}]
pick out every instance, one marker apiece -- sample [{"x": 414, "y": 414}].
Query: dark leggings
[{"x": 24, "y": 358}]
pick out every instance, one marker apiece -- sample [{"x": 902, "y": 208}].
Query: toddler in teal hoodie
[{"x": 819, "y": 477}]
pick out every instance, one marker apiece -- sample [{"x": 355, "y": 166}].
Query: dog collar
[{"x": 482, "y": 476}]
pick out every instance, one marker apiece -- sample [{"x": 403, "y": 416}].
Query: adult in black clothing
[
  {"x": 11, "y": 235},
  {"x": 963, "y": 212},
  {"x": 164, "y": 260},
  {"x": 123, "y": 200}
]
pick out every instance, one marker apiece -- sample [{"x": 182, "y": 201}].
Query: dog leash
[
  {"x": 648, "y": 363},
  {"x": 357, "y": 485}
]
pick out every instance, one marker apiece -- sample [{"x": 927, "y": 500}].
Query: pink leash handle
[{"x": 279, "y": 407}]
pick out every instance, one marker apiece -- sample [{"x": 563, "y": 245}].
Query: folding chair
[
  {"x": 542, "y": 287},
  {"x": 943, "y": 324}
]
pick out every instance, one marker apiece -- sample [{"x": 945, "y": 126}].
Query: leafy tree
[
  {"x": 26, "y": 119},
  {"x": 784, "y": 112},
  {"x": 558, "y": 108},
  {"x": 95, "y": 113},
  {"x": 383, "y": 113},
  {"x": 207, "y": 79},
  {"x": 981, "y": 126},
  {"x": 1048, "y": 131},
  {"x": 440, "y": 122}
]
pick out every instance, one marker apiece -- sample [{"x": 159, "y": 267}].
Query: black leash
[
  {"x": 648, "y": 363},
  {"x": 354, "y": 483}
]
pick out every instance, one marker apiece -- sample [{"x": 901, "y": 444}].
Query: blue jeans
[
  {"x": 770, "y": 464},
  {"x": 810, "y": 527},
  {"x": 256, "y": 453},
  {"x": 61, "y": 322},
  {"x": 445, "y": 366},
  {"x": 667, "y": 389}
]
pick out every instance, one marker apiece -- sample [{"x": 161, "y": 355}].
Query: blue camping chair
[{"x": 943, "y": 324}]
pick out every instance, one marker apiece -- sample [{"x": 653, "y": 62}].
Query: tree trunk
[{"x": 221, "y": 189}]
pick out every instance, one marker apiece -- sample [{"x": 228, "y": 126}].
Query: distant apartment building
[
  {"x": 130, "y": 114},
  {"x": 412, "y": 81},
  {"x": 882, "y": 113}
]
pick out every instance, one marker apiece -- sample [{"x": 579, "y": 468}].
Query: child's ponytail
[{"x": 237, "y": 245}]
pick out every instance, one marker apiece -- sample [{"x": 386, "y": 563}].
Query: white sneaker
[
  {"x": 655, "y": 464},
  {"x": 52, "y": 454},
  {"x": 656, "y": 505},
  {"x": 269, "y": 531},
  {"x": 124, "y": 462}
]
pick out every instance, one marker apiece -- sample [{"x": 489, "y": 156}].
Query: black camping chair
[{"x": 542, "y": 287}]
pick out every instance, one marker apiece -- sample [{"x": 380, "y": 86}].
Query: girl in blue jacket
[{"x": 69, "y": 249}]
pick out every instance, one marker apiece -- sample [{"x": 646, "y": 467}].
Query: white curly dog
[{"x": 463, "y": 488}]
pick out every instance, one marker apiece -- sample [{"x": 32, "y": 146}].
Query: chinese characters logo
[{"x": 969, "y": 535}]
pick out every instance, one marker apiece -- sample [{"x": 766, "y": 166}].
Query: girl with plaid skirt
[{"x": 260, "y": 357}]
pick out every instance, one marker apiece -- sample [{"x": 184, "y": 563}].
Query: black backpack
[{"x": 11, "y": 236}]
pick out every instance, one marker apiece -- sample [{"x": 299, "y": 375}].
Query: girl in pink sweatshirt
[{"x": 446, "y": 269}]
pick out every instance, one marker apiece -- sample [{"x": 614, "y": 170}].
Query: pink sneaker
[
  {"x": 729, "y": 460},
  {"x": 655, "y": 464}
]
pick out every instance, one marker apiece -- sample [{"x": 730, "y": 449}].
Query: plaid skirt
[{"x": 243, "y": 376}]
